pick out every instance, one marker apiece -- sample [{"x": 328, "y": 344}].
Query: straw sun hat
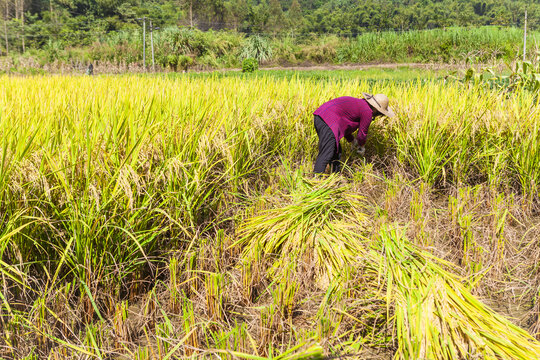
[{"x": 379, "y": 102}]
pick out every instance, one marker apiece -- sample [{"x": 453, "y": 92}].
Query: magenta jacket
[{"x": 346, "y": 114}]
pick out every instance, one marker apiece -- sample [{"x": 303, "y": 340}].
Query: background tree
[
  {"x": 235, "y": 13},
  {"x": 257, "y": 18},
  {"x": 294, "y": 15},
  {"x": 276, "y": 18},
  {"x": 5, "y": 17},
  {"x": 36, "y": 23}
]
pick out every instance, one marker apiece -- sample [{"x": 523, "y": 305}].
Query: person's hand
[{"x": 360, "y": 150}]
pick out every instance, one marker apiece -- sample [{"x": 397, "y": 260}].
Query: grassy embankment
[
  {"x": 122, "y": 52},
  {"x": 161, "y": 217}
]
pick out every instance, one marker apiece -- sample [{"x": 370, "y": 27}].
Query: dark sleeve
[{"x": 365, "y": 121}]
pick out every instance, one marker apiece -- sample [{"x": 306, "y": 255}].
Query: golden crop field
[{"x": 154, "y": 217}]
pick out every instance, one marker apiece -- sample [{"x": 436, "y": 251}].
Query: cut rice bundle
[{"x": 436, "y": 316}]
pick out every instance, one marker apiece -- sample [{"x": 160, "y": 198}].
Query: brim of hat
[{"x": 389, "y": 112}]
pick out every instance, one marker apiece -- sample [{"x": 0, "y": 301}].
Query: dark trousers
[{"x": 329, "y": 151}]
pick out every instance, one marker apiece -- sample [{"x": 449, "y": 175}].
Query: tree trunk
[
  {"x": 22, "y": 22},
  {"x": 5, "y": 26},
  {"x": 51, "y": 11}
]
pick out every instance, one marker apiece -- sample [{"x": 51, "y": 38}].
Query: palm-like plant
[{"x": 256, "y": 47}]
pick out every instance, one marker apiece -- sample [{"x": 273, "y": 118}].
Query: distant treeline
[{"x": 38, "y": 24}]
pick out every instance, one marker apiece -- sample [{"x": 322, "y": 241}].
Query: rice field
[{"x": 159, "y": 217}]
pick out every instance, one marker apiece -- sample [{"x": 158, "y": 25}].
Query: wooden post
[
  {"x": 152, "y": 45},
  {"x": 53, "y": 19},
  {"x": 22, "y": 22},
  {"x": 525, "y": 37},
  {"x": 144, "y": 43}
]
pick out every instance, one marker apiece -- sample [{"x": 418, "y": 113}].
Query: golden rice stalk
[
  {"x": 301, "y": 351},
  {"x": 320, "y": 223},
  {"x": 436, "y": 317}
]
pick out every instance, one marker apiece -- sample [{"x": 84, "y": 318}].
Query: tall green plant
[
  {"x": 256, "y": 47},
  {"x": 427, "y": 149}
]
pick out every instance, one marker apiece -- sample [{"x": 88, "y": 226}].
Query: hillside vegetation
[{"x": 77, "y": 32}]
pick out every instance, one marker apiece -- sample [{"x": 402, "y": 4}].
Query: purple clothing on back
[{"x": 346, "y": 114}]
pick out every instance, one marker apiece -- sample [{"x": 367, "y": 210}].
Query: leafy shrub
[
  {"x": 171, "y": 60},
  {"x": 322, "y": 50},
  {"x": 174, "y": 61},
  {"x": 208, "y": 61},
  {"x": 211, "y": 49},
  {"x": 286, "y": 50},
  {"x": 249, "y": 65},
  {"x": 523, "y": 75},
  {"x": 185, "y": 62},
  {"x": 54, "y": 50}
]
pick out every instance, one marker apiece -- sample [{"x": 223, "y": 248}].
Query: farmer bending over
[{"x": 340, "y": 118}]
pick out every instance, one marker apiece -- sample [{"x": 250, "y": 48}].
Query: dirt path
[
  {"x": 422, "y": 66},
  {"x": 426, "y": 66},
  {"x": 106, "y": 68}
]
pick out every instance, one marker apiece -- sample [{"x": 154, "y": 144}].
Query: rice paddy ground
[
  {"x": 395, "y": 72},
  {"x": 176, "y": 216}
]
